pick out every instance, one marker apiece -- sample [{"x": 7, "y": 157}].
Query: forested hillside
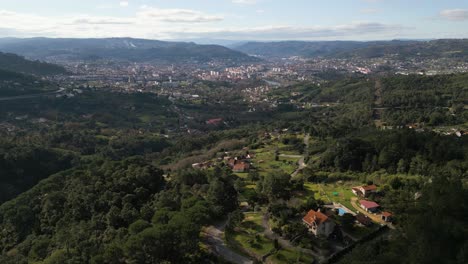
[
  {"x": 120, "y": 49},
  {"x": 115, "y": 177},
  {"x": 15, "y": 63},
  {"x": 450, "y": 48}
]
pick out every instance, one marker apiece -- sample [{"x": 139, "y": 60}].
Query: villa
[{"x": 318, "y": 223}]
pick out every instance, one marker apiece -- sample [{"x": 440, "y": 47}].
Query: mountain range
[
  {"x": 119, "y": 49},
  {"x": 403, "y": 49}
]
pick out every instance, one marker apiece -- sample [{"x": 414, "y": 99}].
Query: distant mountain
[
  {"x": 123, "y": 49},
  {"x": 443, "y": 48},
  {"x": 15, "y": 63},
  {"x": 297, "y": 48},
  {"x": 404, "y": 49}
]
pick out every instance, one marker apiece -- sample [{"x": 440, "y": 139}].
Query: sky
[{"x": 260, "y": 20}]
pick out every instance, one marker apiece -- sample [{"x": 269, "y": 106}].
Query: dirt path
[
  {"x": 214, "y": 238},
  {"x": 301, "y": 163}
]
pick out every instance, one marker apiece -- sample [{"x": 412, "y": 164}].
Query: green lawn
[{"x": 326, "y": 192}]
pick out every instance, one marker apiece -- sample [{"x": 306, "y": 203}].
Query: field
[
  {"x": 335, "y": 192},
  {"x": 266, "y": 163}
]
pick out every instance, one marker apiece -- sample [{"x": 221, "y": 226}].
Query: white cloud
[
  {"x": 156, "y": 23},
  {"x": 454, "y": 14},
  {"x": 177, "y": 15},
  {"x": 353, "y": 30},
  {"x": 245, "y": 2},
  {"x": 124, "y": 3},
  {"x": 370, "y": 11}
]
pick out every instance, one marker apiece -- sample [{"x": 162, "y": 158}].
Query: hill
[
  {"x": 121, "y": 49},
  {"x": 297, "y": 48},
  {"x": 15, "y": 63},
  {"x": 449, "y": 48},
  {"x": 15, "y": 84}
]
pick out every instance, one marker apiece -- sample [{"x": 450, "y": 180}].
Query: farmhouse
[
  {"x": 365, "y": 190},
  {"x": 318, "y": 223},
  {"x": 369, "y": 206}
]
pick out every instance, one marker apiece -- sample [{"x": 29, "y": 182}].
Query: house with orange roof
[{"x": 318, "y": 223}]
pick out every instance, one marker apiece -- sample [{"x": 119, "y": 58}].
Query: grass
[
  {"x": 290, "y": 256},
  {"x": 248, "y": 236},
  {"x": 268, "y": 163},
  {"x": 325, "y": 192},
  {"x": 247, "y": 192}
]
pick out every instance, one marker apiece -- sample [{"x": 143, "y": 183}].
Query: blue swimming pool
[{"x": 341, "y": 211}]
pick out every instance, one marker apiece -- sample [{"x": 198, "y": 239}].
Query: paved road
[
  {"x": 214, "y": 236},
  {"x": 19, "y": 97}
]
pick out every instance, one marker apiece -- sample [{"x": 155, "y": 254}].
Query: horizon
[{"x": 237, "y": 20}]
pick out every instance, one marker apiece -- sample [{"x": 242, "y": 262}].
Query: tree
[{"x": 276, "y": 186}]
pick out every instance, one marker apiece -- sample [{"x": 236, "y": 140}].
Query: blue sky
[{"x": 236, "y": 19}]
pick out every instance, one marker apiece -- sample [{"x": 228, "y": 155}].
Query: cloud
[
  {"x": 370, "y": 11},
  {"x": 123, "y": 3},
  {"x": 352, "y": 30},
  {"x": 102, "y": 21},
  {"x": 156, "y": 23},
  {"x": 454, "y": 14},
  {"x": 177, "y": 15},
  {"x": 244, "y": 2}
]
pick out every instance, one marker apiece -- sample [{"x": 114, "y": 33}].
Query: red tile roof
[
  {"x": 313, "y": 216},
  {"x": 372, "y": 187},
  {"x": 369, "y": 204},
  {"x": 386, "y": 214},
  {"x": 214, "y": 121},
  {"x": 241, "y": 166}
]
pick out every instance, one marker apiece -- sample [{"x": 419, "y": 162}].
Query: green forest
[{"x": 109, "y": 177}]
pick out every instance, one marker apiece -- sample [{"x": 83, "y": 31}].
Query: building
[
  {"x": 363, "y": 219},
  {"x": 214, "y": 122},
  {"x": 387, "y": 217},
  {"x": 365, "y": 190},
  {"x": 241, "y": 167},
  {"x": 369, "y": 206},
  {"x": 318, "y": 223}
]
